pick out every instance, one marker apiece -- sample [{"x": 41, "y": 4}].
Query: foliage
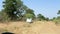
[
  {"x": 29, "y": 15},
  {"x": 11, "y": 6},
  {"x": 47, "y": 19},
  {"x": 57, "y": 20},
  {"x": 30, "y": 11},
  {"x": 40, "y": 17},
  {"x": 58, "y": 12},
  {"x": 3, "y": 17},
  {"x": 15, "y": 9}
]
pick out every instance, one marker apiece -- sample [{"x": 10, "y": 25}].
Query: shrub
[
  {"x": 40, "y": 17},
  {"x": 29, "y": 15},
  {"x": 57, "y": 20},
  {"x": 3, "y": 17}
]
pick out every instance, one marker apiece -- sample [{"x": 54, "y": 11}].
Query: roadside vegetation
[
  {"x": 15, "y": 10},
  {"x": 56, "y": 19}
]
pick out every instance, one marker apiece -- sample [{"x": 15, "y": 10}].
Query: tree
[
  {"x": 3, "y": 16},
  {"x": 40, "y": 17},
  {"x": 47, "y": 19},
  {"x": 29, "y": 15},
  {"x": 12, "y": 7},
  {"x": 30, "y": 11},
  {"x": 15, "y": 9},
  {"x": 58, "y": 12}
]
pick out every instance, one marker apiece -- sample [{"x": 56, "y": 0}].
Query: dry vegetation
[{"x": 38, "y": 27}]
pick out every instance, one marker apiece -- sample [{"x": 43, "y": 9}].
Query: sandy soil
[{"x": 38, "y": 27}]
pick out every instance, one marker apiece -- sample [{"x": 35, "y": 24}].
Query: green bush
[
  {"x": 3, "y": 17},
  {"x": 29, "y": 15},
  {"x": 57, "y": 20},
  {"x": 40, "y": 17}
]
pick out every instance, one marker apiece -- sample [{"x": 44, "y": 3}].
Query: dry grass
[{"x": 38, "y": 27}]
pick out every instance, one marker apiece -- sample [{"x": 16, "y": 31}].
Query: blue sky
[{"x": 48, "y": 8}]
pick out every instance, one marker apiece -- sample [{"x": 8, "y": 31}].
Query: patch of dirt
[{"x": 38, "y": 27}]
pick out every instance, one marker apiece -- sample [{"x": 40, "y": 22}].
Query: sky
[{"x": 48, "y": 8}]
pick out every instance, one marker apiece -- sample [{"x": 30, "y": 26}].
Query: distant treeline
[{"x": 15, "y": 10}]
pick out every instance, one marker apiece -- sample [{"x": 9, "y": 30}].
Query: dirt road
[{"x": 38, "y": 27}]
